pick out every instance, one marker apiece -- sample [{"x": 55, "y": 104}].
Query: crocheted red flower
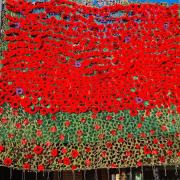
[
  {"x": 41, "y": 167},
  {"x": 26, "y": 166},
  {"x": 1, "y": 148},
  {"x": 88, "y": 162},
  {"x": 7, "y": 161},
  {"x": 74, "y": 153},
  {"x": 54, "y": 152},
  {"x": 66, "y": 161},
  {"x": 38, "y": 150}
]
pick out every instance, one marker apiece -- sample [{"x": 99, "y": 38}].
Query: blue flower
[
  {"x": 166, "y": 25},
  {"x": 126, "y": 39},
  {"x": 77, "y": 64},
  {"x": 138, "y": 100},
  {"x": 19, "y": 91}
]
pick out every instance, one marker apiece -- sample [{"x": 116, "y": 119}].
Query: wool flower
[
  {"x": 41, "y": 167},
  {"x": 38, "y": 150},
  {"x": 66, "y": 161},
  {"x": 1, "y": 148},
  {"x": 7, "y": 161},
  {"x": 54, "y": 152},
  {"x": 74, "y": 153},
  {"x": 26, "y": 166}
]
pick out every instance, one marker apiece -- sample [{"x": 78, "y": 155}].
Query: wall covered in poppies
[{"x": 89, "y": 87}]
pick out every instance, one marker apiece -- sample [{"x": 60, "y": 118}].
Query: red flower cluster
[{"x": 90, "y": 59}]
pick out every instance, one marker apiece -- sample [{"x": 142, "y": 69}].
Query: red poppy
[
  {"x": 11, "y": 136},
  {"x": 4, "y": 121},
  {"x": 88, "y": 149},
  {"x": 155, "y": 141},
  {"x": 97, "y": 127},
  {"x": 161, "y": 146},
  {"x": 48, "y": 143},
  {"x": 28, "y": 156},
  {"x": 139, "y": 163},
  {"x": 54, "y": 118},
  {"x": 38, "y": 150},
  {"x": 130, "y": 135},
  {"x": 138, "y": 146},
  {"x": 169, "y": 143},
  {"x": 120, "y": 127},
  {"x": 24, "y": 141},
  {"x": 163, "y": 128},
  {"x": 108, "y": 118},
  {"x": 83, "y": 120},
  {"x": 120, "y": 140},
  {"x": 39, "y": 133},
  {"x": 67, "y": 123},
  {"x": 7, "y": 161},
  {"x": 1, "y": 110},
  {"x": 169, "y": 153},
  {"x": 79, "y": 132},
  {"x": 74, "y": 153},
  {"x": 61, "y": 137},
  {"x": 64, "y": 150},
  {"x": 113, "y": 165},
  {"x": 154, "y": 151},
  {"x": 26, "y": 122},
  {"x": 109, "y": 145},
  {"x": 113, "y": 132},
  {"x": 128, "y": 153},
  {"x": 139, "y": 125},
  {"x": 26, "y": 166},
  {"x": 1, "y": 148},
  {"x": 54, "y": 152},
  {"x": 41, "y": 167},
  {"x": 39, "y": 121},
  {"x": 66, "y": 161},
  {"x": 94, "y": 116},
  {"x": 162, "y": 159},
  {"x": 53, "y": 129},
  {"x": 73, "y": 167},
  {"x": 87, "y": 162},
  {"x": 101, "y": 136},
  {"x": 121, "y": 118},
  {"x": 152, "y": 132},
  {"x": 18, "y": 125},
  {"x": 104, "y": 154}
]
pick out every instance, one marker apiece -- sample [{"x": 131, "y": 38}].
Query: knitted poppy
[
  {"x": 74, "y": 153},
  {"x": 54, "y": 152},
  {"x": 1, "y": 148},
  {"x": 7, "y": 161},
  {"x": 26, "y": 166},
  {"x": 66, "y": 161},
  {"x": 38, "y": 150},
  {"x": 40, "y": 167}
]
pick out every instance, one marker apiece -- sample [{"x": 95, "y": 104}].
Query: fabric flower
[
  {"x": 77, "y": 64},
  {"x": 66, "y": 161},
  {"x": 26, "y": 166},
  {"x": 54, "y": 152},
  {"x": 138, "y": 100},
  {"x": 74, "y": 153},
  {"x": 38, "y": 150},
  {"x": 19, "y": 91},
  {"x": 41, "y": 167},
  {"x": 1, "y": 148},
  {"x": 7, "y": 161}
]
